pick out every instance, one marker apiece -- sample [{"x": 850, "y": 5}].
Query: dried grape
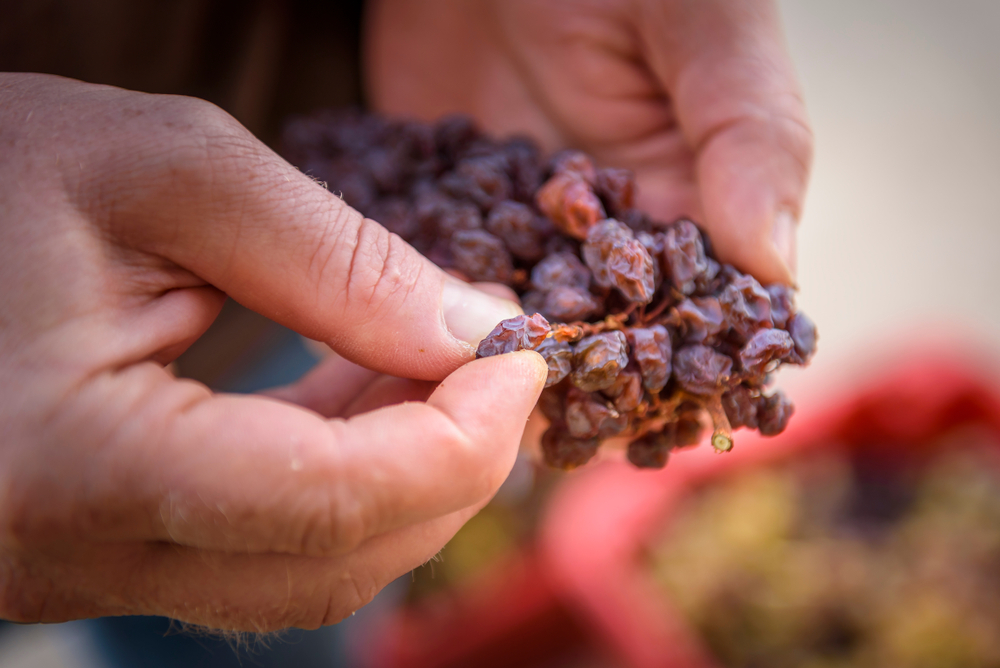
[{"x": 651, "y": 337}]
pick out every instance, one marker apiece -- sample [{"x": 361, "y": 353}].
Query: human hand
[
  {"x": 699, "y": 99},
  {"x": 125, "y": 220}
]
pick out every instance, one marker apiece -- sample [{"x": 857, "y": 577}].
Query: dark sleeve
[{"x": 258, "y": 59}]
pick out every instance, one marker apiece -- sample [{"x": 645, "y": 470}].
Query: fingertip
[{"x": 534, "y": 364}]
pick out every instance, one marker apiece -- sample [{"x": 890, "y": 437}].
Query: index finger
[{"x": 250, "y": 474}]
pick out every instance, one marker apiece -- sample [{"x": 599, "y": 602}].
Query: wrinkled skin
[{"x": 125, "y": 221}]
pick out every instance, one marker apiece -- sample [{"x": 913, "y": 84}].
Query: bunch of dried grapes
[{"x": 645, "y": 333}]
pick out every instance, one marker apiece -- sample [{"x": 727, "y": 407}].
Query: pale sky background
[{"x": 901, "y": 232}]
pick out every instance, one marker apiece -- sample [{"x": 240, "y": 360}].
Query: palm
[
  {"x": 699, "y": 99},
  {"x": 566, "y": 76}
]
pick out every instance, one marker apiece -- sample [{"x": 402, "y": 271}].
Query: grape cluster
[{"x": 646, "y": 335}]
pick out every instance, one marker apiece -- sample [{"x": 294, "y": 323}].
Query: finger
[
  {"x": 181, "y": 179},
  {"x": 240, "y": 592},
  {"x": 388, "y": 391},
  {"x": 329, "y": 388},
  {"x": 249, "y": 474},
  {"x": 735, "y": 93}
]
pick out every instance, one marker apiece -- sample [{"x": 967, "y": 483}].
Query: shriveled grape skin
[
  {"x": 564, "y": 303},
  {"x": 522, "y": 332},
  {"x": 652, "y": 351},
  {"x": 684, "y": 256},
  {"x": 497, "y": 210},
  {"x": 558, "y": 355},
  {"x": 650, "y": 451},
  {"x": 698, "y": 319},
  {"x": 773, "y": 413},
  {"x": 514, "y": 223},
  {"x": 588, "y": 415},
  {"x": 481, "y": 256},
  {"x": 569, "y": 202},
  {"x": 598, "y": 361},
  {"x": 763, "y": 348},
  {"x": 616, "y": 188},
  {"x": 563, "y": 451},
  {"x": 782, "y": 303},
  {"x": 576, "y": 163},
  {"x": 627, "y": 391},
  {"x": 688, "y": 431},
  {"x": 803, "y": 333},
  {"x": 740, "y": 407},
  {"x": 701, "y": 370},
  {"x": 746, "y": 305},
  {"x": 560, "y": 269},
  {"x": 618, "y": 260}
]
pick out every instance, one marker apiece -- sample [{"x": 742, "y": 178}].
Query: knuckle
[
  {"x": 197, "y": 137},
  {"x": 333, "y": 526},
  {"x": 380, "y": 273}
]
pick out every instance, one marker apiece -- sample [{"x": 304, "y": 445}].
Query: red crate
[
  {"x": 583, "y": 589},
  {"x": 598, "y": 522}
]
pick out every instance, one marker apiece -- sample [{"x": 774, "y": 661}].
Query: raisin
[
  {"x": 773, "y": 413},
  {"x": 627, "y": 391},
  {"x": 560, "y": 269},
  {"x": 481, "y": 256},
  {"x": 576, "y": 163},
  {"x": 698, "y": 319},
  {"x": 565, "y": 303},
  {"x": 763, "y": 348},
  {"x": 651, "y": 451},
  {"x": 588, "y": 415},
  {"x": 746, "y": 305},
  {"x": 563, "y": 451},
  {"x": 740, "y": 407},
  {"x": 782, "y": 303},
  {"x": 569, "y": 202},
  {"x": 701, "y": 370},
  {"x": 803, "y": 333},
  {"x": 558, "y": 356},
  {"x": 513, "y": 223},
  {"x": 652, "y": 351},
  {"x": 684, "y": 256},
  {"x": 688, "y": 431},
  {"x": 521, "y": 332},
  {"x": 598, "y": 361},
  {"x": 616, "y": 187},
  {"x": 618, "y": 260},
  {"x": 652, "y": 337}
]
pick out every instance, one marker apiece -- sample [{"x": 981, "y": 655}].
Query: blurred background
[{"x": 897, "y": 266}]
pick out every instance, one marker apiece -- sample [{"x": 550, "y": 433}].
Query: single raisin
[
  {"x": 521, "y": 332},
  {"x": 652, "y": 351},
  {"x": 598, "y": 361}
]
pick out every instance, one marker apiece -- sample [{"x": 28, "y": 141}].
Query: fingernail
[
  {"x": 783, "y": 233},
  {"x": 470, "y": 314}
]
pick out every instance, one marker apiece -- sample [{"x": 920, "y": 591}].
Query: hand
[
  {"x": 698, "y": 98},
  {"x": 125, "y": 220}
]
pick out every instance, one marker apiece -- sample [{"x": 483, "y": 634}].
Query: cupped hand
[
  {"x": 125, "y": 220},
  {"x": 698, "y": 98}
]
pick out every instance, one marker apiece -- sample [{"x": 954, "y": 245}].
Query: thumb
[
  {"x": 201, "y": 191},
  {"x": 734, "y": 89}
]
